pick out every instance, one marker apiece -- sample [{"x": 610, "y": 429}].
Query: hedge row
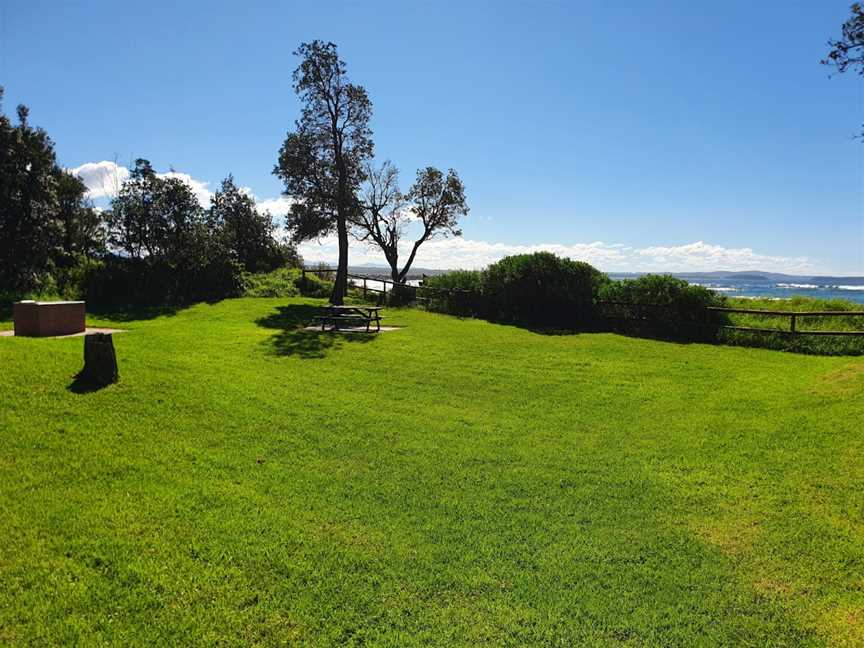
[{"x": 544, "y": 289}]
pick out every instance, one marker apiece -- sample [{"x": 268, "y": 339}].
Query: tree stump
[{"x": 100, "y": 361}]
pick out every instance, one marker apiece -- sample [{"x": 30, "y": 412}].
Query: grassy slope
[{"x": 453, "y": 482}]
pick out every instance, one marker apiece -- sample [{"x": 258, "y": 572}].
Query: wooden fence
[
  {"x": 704, "y": 321},
  {"x": 366, "y": 288},
  {"x": 793, "y": 316}
]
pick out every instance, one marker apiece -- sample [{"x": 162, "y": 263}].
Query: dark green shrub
[
  {"x": 660, "y": 305},
  {"x": 401, "y": 295},
  {"x": 73, "y": 281},
  {"x": 121, "y": 281},
  {"x": 278, "y": 283},
  {"x": 542, "y": 288},
  {"x": 459, "y": 292},
  {"x": 312, "y": 285},
  {"x": 471, "y": 280},
  {"x": 286, "y": 282}
]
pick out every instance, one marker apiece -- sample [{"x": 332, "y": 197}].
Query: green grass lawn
[{"x": 454, "y": 482}]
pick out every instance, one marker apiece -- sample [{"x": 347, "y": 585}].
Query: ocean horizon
[
  {"x": 751, "y": 285},
  {"x": 755, "y": 285}
]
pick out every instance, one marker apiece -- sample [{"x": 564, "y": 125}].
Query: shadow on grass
[
  {"x": 547, "y": 330},
  {"x": 133, "y": 313},
  {"x": 82, "y": 384},
  {"x": 292, "y": 339}
]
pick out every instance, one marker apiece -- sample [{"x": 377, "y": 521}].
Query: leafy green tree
[
  {"x": 158, "y": 224},
  {"x": 131, "y": 218},
  {"x": 178, "y": 223},
  {"x": 321, "y": 162},
  {"x": 247, "y": 233},
  {"x": 435, "y": 201},
  {"x": 438, "y": 202},
  {"x": 382, "y": 219},
  {"x": 154, "y": 216},
  {"x": 83, "y": 225},
  {"x": 30, "y": 230},
  {"x": 848, "y": 52}
]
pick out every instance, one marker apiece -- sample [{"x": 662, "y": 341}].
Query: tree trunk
[
  {"x": 340, "y": 286},
  {"x": 414, "y": 249},
  {"x": 393, "y": 260},
  {"x": 100, "y": 361}
]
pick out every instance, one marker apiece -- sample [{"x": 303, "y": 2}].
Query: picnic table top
[{"x": 353, "y": 307}]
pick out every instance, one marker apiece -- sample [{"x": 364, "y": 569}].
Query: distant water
[
  {"x": 850, "y": 289},
  {"x": 375, "y": 284}
]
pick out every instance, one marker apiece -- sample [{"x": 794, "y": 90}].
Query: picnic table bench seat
[{"x": 347, "y": 315}]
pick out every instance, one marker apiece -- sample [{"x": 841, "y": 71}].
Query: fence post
[
  {"x": 792, "y": 323},
  {"x": 364, "y": 287}
]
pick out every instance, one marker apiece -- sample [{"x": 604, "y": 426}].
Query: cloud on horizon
[
  {"x": 453, "y": 253},
  {"x": 103, "y": 180}
]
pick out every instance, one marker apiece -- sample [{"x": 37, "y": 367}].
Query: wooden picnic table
[{"x": 351, "y": 313}]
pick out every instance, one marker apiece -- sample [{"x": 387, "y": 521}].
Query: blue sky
[{"x": 637, "y": 135}]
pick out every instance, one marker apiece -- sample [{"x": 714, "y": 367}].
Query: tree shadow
[
  {"x": 547, "y": 330},
  {"x": 132, "y": 313},
  {"x": 293, "y": 339},
  {"x": 538, "y": 328},
  {"x": 83, "y": 384}
]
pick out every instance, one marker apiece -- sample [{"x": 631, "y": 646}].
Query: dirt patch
[
  {"x": 731, "y": 538},
  {"x": 846, "y": 380},
  {"x": 772, "y": 586}
]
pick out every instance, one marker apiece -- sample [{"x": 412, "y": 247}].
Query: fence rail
[
  {"x": 793, "y": 319},
  {"x": 370, "y": 289},
  {"x": 793, "y": 316}
]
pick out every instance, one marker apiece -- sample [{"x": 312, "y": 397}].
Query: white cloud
[
  {"x": 103, "y": 179},
  {"x": 701, "y": 255},
  {"x": 198, "y": 187},
  {"x": 277, "y": 207},
  {"x": 611, "y": 257}
]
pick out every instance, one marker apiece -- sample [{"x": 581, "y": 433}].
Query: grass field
[{"x": 455, "y": 482}]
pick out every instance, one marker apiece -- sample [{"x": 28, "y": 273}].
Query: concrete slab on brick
[
  {"x": 48, "y": 319},
  {"x": 79, "y": 334}
]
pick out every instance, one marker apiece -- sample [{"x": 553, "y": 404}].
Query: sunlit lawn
[{"x": 452, "y": 482}]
